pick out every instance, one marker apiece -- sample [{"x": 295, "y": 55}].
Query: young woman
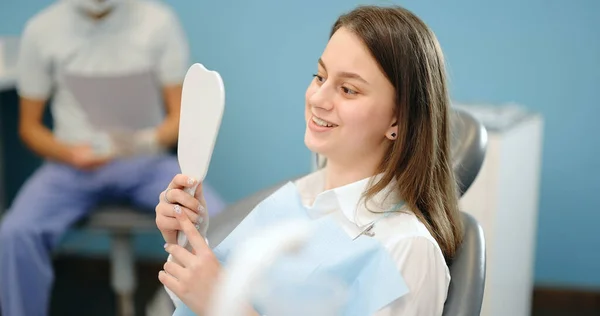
[{"x": 378, "y": 110}]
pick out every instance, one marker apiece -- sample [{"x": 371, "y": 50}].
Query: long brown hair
[{"x": 409, "y": 54}]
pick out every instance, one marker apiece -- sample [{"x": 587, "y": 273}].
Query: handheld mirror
[{"x": 202, "y": 106}]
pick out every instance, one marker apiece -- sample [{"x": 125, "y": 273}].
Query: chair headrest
[{"x": 468, "y": 146}]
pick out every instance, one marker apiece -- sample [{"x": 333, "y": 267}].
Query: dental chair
[{"x": 467, "y": 270}]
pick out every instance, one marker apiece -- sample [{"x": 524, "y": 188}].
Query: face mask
[{"x": 95, "y": 6}]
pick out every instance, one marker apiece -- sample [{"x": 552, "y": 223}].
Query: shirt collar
[{"x": 347, "y": 198}]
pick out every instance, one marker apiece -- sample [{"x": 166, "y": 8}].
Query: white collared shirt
[
  {"x": 409, "y": 243},
  {"x": 137, "y": 36}
]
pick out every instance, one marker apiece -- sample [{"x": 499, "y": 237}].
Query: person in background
[{"x": 93, "y": 37}]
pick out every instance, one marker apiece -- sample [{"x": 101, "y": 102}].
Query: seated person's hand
[
  {"x": 193, "y": 275},
  {"x": 83, "y": 157},
  {"x": 127, "y": 143},
  {"x": 174, "y": 200}
]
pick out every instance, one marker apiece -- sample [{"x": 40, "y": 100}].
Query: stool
[{"x": 121, "y": 221}]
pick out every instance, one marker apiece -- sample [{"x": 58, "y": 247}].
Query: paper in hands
[
  {"x": 119, "y": 108},
  {"x": 129, "y": 102}
]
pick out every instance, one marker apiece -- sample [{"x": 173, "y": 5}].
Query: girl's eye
[
  {"x": 349, "y": 91},
  {"x": 319, "y": 78}
]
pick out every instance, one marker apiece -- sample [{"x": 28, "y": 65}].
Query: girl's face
[{"x": 350, "y": 103}]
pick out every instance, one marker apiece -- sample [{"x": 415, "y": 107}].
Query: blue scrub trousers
[{"x": 52, "y": 200}]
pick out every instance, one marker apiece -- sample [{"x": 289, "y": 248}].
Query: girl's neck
[{"x": 338, "y": 174}]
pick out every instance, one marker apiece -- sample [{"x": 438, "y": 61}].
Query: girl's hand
[{"x": 192, "y": 276}]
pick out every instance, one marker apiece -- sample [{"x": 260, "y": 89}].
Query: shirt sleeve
[
  {"x": 34, "y": 76},
  {"x": 424, "y": 269},
  {"x": 173, "y": 60}
]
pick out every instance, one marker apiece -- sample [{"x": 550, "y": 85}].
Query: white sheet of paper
[{"x": 126, "y": 102}]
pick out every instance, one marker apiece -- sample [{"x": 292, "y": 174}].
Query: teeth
[{"x": 321, "y": 122}]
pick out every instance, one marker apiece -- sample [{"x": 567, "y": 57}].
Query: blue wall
[{"x": 544, "y": 54}]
